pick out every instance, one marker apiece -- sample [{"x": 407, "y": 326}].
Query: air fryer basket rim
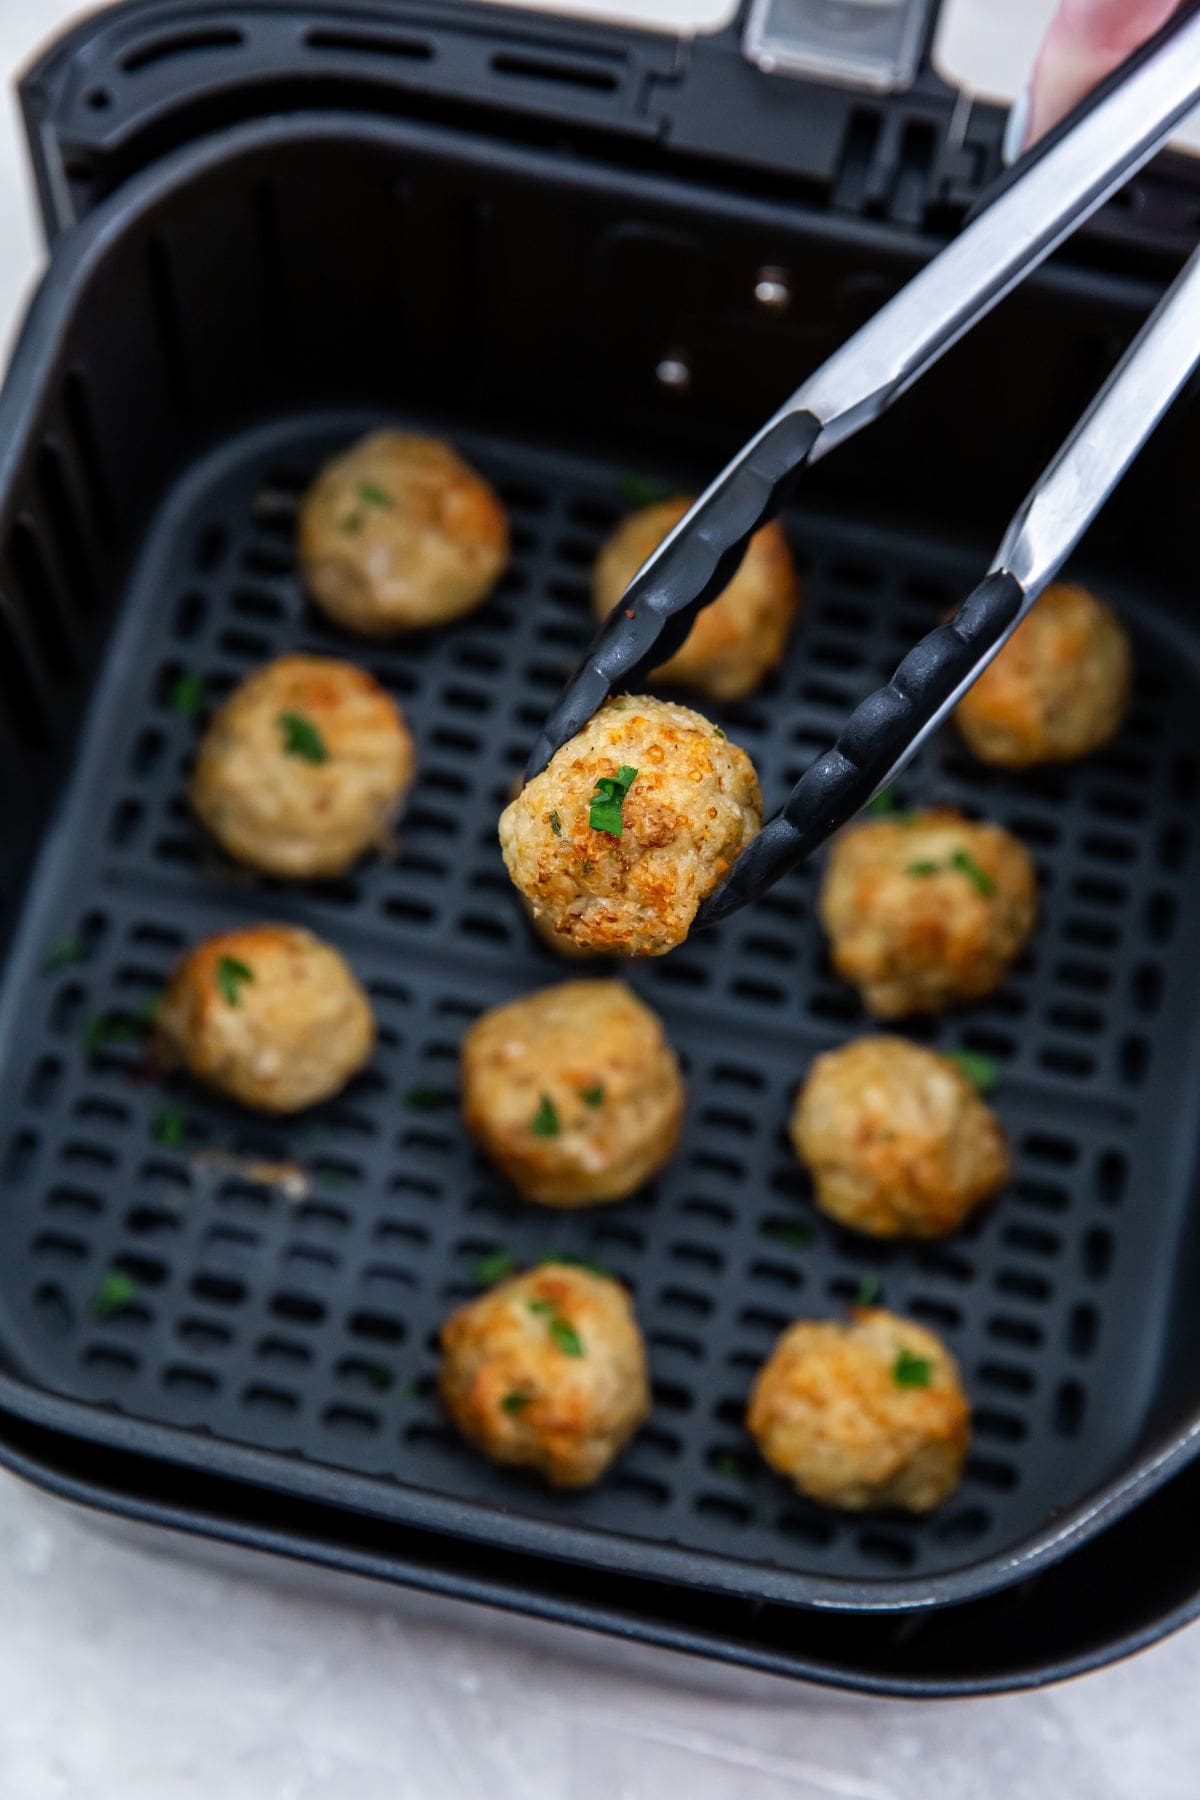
[
  {"x": 50, "y": 309},
  {"x": 82, "y": 1491}
]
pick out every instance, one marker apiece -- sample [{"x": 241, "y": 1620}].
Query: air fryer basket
[{"x": 214, "y": 328}]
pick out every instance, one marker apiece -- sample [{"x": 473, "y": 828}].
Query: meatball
[
  {"x": 1057, "y": 690},
  {"x": 897, "y": 1139},
  {"x": 926, "y": 909},
  {"x": 548, "y": 1370},
  {"x": 633, "y": 823},
  {"x": 574, "y": 1092},
  {"x": 866, "y": 1414},
  {"x": 304, "y": 768},
  {"x": 398, "y": 532},
  {"x": 269, "y": 1015},
  {"x": 741, "y": 635}
]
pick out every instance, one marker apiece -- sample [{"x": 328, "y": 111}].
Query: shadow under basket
[{"x": 204, "y": 340}]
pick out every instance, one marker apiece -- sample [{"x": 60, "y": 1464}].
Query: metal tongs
[{"x": 1047, "y": 194}]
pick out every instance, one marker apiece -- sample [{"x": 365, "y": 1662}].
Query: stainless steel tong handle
[
  {"x": 885, "y": 731},
  {"x": 1062, "y": 183}
]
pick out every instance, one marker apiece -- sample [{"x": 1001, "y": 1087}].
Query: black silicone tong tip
[
  {"x": 878, "y": 737},
  {"x": 657, "y": 610}
]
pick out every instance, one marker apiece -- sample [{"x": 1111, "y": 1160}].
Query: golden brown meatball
[
  {"x": 897, "y": 1139},
  {"x": 925, "y": 909},
  {"x": 1057, "y": 690},
  {"x": 574, "y": 1092},
  {"x": 741, "y": 635},
  {"x": 399, "y": 532},
  {"x": 269, "y": 1015},
  {"x": 304, "y": 768},
  {"x": 867, "y": 1414},
  {"x": 633, "y": 823},
  {"x": 548, "y": 1370}
]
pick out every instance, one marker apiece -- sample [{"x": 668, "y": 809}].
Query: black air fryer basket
[{"x": 274, "y": 226}]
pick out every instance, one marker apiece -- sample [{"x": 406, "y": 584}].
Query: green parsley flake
[
  {"x": 605, "y": 811},
  {"x": 115, "y": 1292},
  {"x": 981, "y": 1071},
  {"x": 912, "y": 1371},
  {"x": 146, "y": 1010},
  {"x": 868, "y": 1291},
  {"x": 188, "y": 694},
  {"x": 100, "y": 1032},
  {"x": 966, "y": 865},
  {"x": 545, "y": 1121},
  {"x": 491, "y": 1269},
  {"x": 717, "y": 732},
  {"x": 302, "y": 738},
  {"x": 556, "y": 824},
  {"x": 542, "y": 1307},
  {"x": 230, "y": 975},
  {"x": 429, "y": 1099},
  {"x": 67, "y": 951},
  {"x": 515, "y": 1402},
  {"x": 882, "y": 803},
  {"x": 639, "y": 490},
  {"x": 924, "y": 867},
  {"x": 796, "y": 1235},
  {"x": 565, "y": 1336},
  {"x": 725, "y": 1463},
  {"x": 371, "y": 494},
  {"x": 170, "y": 1127},
  {"x": 593, "y": 1096}
]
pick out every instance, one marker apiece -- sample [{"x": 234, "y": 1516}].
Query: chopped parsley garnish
[
  {"x": 725, "y": 1463},
  {"x": 545, "y": 1121},
  {"x": 104, "y": 1030},
  {"x": 981, "y": 1071},
  {"x": 491, "y": 1269},
  {"x": 556, "y": 824},
  {"x": 115, "y": 1292},
  {"x": 796, "y": 1235},
  {"x": 170, "y": 1127},
  {"x": 607, "y": 801},
  {"x": 429, "y": 1099},
  {"x": 371, "y": 494},
  {"x": 912, "y": 1371},
  {"x": 67, "y": 951},
  {"x": 565, "y": 1336},
  {"x": 302, "y": 738},
  {"x": 562, "y": 1332},
  {"x": 868, "y": 1291},
  {"x": 883, "y": 802},
  {"x": 230, "y": 975},
  {"x": 188, "y": 694},
  {"x": 593, "y": 1096},
  {"x": 515, "y": 1402},
  {"x": 146, "y": 1010},
  {"x": 639, "y": 490},
  {"x": 966, "y": 865},
  {"x": 717, "y": 732},
  {"x": 332, "y": 1175}
]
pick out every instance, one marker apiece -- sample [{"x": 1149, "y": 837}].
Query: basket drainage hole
[
  {"x": 882, "y": 1547},
  {"x": 53, "y": 1310}
]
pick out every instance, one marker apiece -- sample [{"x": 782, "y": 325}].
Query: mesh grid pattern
[{"x": 308, "y": 1324}]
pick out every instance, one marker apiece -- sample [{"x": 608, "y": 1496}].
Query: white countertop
[{"x": 127, "y": 1677}]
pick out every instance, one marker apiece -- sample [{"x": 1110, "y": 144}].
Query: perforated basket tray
[
  {"x": 212, "y": 331},
  {"x": 310, "y": 1325}
]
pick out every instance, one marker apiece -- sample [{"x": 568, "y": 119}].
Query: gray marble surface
[{"x": 127, "y": 1676}]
